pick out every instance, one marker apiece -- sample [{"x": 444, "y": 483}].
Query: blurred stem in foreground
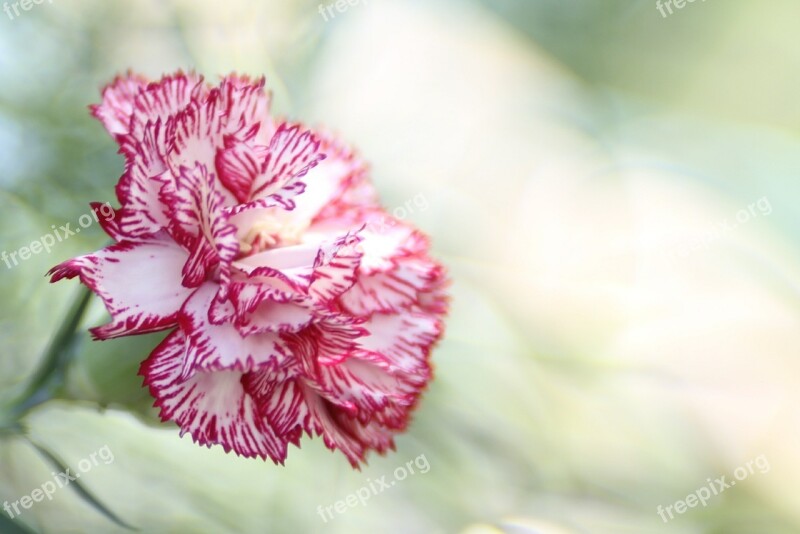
[
  {"x": 50, "y": 373},
  {"x": 43, "y": 385}
]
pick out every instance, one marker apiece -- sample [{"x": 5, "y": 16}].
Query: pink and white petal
[
  {"x": 262, "y": 285},
  {"x": 320, "y": 190},
  {"x": 358, "y": 201},
  {"x": 392, "y": 291},
  {"x": 395, "y": 416},
  {"x": 372, "y": 435},
  {"x": 385, "y": 239},
  {"x": 164, "y": 99},
  {"x": 291, "y": 154},
  {"x": 245, "y": 106},
  {"x": 282, "y": 402},
  {"x": 108, "y": 218},
  {"x": 361, "y": 387},
  {"x": 239, "y": 164},
  {"x": 333, "y": 181},
  {"x": 116, "y": 109},
  {"x": 330, "y": 340},
  {"x": 274, "y": 316},
  {"x": 339, "y": 182},
  {"x": 248, "y": 290},
  {"x": 139, "y": 283},
  {"x": 292, "y": 264},
  {"x": 241, "y": 80},
  {"x": 403, "y": 341},
  {"x": 139, "y": 190},
  {"x": 203, "y": 257},
  {"x": 198, "y": 217},
  {"x": 335, "y": 268},
  {"x": 344, "y": 433},
  {"x": 436, "y": 300},
  {"x": 322, "y": 423},
  {"x": 196, "y": 134},
  {"x": 366, "y": 385},
  {"x": 213, "y": 407},
  {"x": 212, "y": 347},
  {"x": 357, "y": 193}
]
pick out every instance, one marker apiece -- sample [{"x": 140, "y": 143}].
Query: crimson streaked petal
[
  {"x": 338, "y": 182},
  {"x": 274, "y": 316},
  {"x": 138, "y": 282},
  {"x": 140, "y": 188},
  {"x": 330, "y": 340},
  {"x": 213, "y": 407},
  {"x": 402, "y": 287},
  {"x": 197, "y": 215},
  {"x": 403, "y": 340},
  {"x": 195, "y": 135},
  {"x": 294, "y": 265},
  {"x": 386, "y": 240},
  {"x": 282, "y": 402},
  {"x": 363, "y": 388},
  {"x": 214, "y": 347},
  {"x": 345, "y": 433},
  {"x": 245, "y": 106},
  {"x": 244, "y": 297},
  {"x": 164, "y": 99},
  {"x": 108, "y": 218},
  {"x": 292, "y": 152},
  {"x": 116, "y": 109},
  {"x": 239, "y": 163},
  {"x": 335, "y": 268}
]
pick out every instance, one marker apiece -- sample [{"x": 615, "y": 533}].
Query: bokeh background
[{"x": 619, "y": 334}]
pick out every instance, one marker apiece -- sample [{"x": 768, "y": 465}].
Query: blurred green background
[{"x": 620, "y": 332}]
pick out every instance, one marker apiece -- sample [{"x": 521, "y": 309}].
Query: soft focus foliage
[{"x": 606, "y": 352}]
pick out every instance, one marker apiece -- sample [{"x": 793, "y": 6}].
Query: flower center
[{"x": 268, "y": 234}]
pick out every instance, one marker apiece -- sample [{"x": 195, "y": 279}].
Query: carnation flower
[{"x": 294, "y": 304}]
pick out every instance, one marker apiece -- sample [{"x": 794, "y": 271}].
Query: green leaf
[
  {"x": 32, "y": 308},
  {"x": 78, "y": 487},
  {"x": 9, "y": 526},
  {"x": 107, "y": 372},
  {"x": 55, "y": 360}
]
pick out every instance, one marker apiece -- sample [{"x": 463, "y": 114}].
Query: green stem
[{"x": 49, "y": 373}]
